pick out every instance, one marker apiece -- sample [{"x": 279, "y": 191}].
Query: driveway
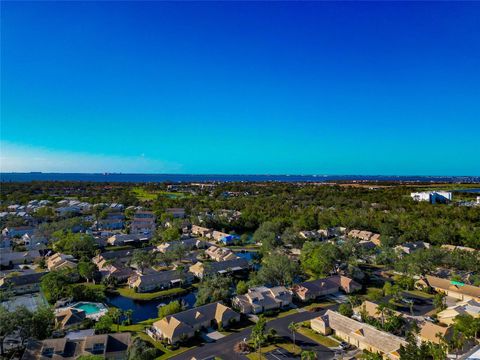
[{"x": 223, "y": 348}]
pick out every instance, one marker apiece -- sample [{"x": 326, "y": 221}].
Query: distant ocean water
[{"x": 185, "y": 178}]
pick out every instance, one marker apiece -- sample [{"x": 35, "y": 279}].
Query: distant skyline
[{"x": 241, "y": 87}]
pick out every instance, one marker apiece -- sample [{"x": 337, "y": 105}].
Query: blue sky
[{"x": 241, "y": 87}]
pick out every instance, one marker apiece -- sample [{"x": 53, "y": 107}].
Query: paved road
[{"x": 223, "y": 348}]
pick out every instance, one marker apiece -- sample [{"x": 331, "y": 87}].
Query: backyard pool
[
  {"x": 92, "y": 310},
  {"x": 144, "y": 310}
]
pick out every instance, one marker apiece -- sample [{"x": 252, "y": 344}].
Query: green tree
[
  {"x": 345, "y": 310},
  {"x": 143, "y": 259},
  {"x": 43, "y": 323},
  {"x": 171, "y": 308},
  {"x": 115, "y": 314},
  {"x": 142, "y": 350},
  {"x": 277, "y": 269},
  {"x": 77, "y": 244},
  {"x": 104, "y": 325},
  {"x": 86, "y": 270},
  {"x": 7, "y": 326},
  {"x": 55, "y": 285},
  {"x": 439, "y": 301},
  {"x": 213, "y": 288},
  {"x": 242, "y": 287},
  {"x": 293, "y": 327},
  {"x": 319, "y": 259},
  {"x": 258, "y": 336}
]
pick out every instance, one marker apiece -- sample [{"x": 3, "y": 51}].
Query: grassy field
[
  {"x": 130, "y": 293},
  {"x": 118, "y": 248},
  {"x": 265, "y": 349},
  {"x": 324, "y": 304},
  {"x": 145, "y": 195},
  {"x": 421, "y": 294},
  {"x": 321, "y": 339}
]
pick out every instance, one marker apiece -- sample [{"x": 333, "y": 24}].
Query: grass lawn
[
  {"x": 118, "y": 248},
  {"x": 130, "y": 293},
  {"x": 419, "y": 293},
  {"x": 286, "y": 313},
  {"x": 290, "y": 348},
  {"x": 321, "y": 339},
  {"x": 144, "y": 195},
  {"x": 323, "y": 304},
  {"x": 256, "y": 356}
]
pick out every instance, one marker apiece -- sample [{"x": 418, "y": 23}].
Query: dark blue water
[
  {"x": 144, "y": 310},
  {"x": 138, "y": 178}
]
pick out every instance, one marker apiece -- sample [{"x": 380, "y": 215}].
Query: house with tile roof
[
  {"x": 430, "y": 332},
  {"x": 311, "y": 290},
  {"x": 361, "y": 335},
  {"x": 469, "y": 307},
  {"x": 455, "y": 289},
  {"x": 107, "y": 346},
  {"x": 69, "y": 317},
  {"x": 262, "y": 298},
  {"x": 220, "y": 253},
  {"x": 183, "y": 325},
  {"x": 22, "y": 283},
  {"x": 60, "y": 261},
  {"x": 201, "y": 270},
  {"x": 158, "y": 280}
]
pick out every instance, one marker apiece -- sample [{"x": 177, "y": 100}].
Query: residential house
[
  {"x": 22, "y": 283},
  {"x": 410, "y": 247},
  {"x": 470, "y": 307},
  {"x": 311, "y": 290},
  {"x": 365, "y": 236},
  {"x": 361, "y": 335},
  {"x": 183, "y": 325},
  {"x": 159, "y": 280},
  {"x": 107, "y": 346},
  {"x": 143, "y": 223},
  {"x": 11, "y": 258},
  {"x": 201, "y": 270},
  {"x": 220, "y": 254},
  {"x": 177, "y": 213},
  {"x": 188, "y": 244},
  {"x": 371, "y": 309},
  {"x": 69, "y": 317},
  {"x": 127, "y": 239},
  {"x": 262, "y": 298},
  {"x": 224, "y": 238},
  {"x": 113, "y": 221},
  {"x": 34, "y": 241},
  {"x": 60, "y": 261},
  {"x": 458, "y": 248},
  {"x": 430, "y": 332},
  {"x": 67, "y": 210},
  {"x": 433, "y": 197},
  {"x": 201, "y": 231},
  {"x": 17, "y": 231},
  {"x": 455, "y": 289}
]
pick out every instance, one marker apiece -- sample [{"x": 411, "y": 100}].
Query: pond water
[{"x": 144, "y": 310}]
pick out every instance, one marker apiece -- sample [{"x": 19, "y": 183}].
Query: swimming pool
[
  {"x": 89, "y": 308},
  {"x": 92, "y": 310}
]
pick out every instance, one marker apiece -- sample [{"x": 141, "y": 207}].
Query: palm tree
[
  {"x": 308, "y": 355},
  {"x": 128, "y": 313},
  {"x": 293, "y": 328},
  {"x": 381, "y": 308}
]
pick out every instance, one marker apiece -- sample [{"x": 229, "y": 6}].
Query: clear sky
[{"x": 241, "y": 87}]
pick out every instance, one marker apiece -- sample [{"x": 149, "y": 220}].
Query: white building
[{"x": 432, "y": 196}]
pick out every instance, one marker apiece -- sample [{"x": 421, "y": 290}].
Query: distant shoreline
[{"x": 203, "y": 178}]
